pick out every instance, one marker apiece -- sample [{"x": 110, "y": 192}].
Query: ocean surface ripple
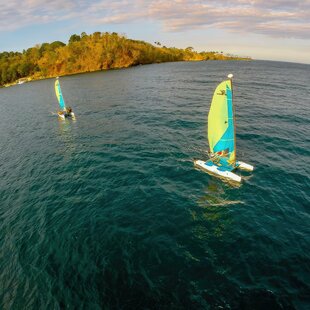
[{"x": 108, "y": 212}]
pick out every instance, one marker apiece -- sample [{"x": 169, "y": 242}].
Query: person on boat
[{"x": 68, "y": 111}]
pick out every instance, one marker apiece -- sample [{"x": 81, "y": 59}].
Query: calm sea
[{"x": 108, "y": 212}]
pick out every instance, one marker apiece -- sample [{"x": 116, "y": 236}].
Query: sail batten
[
  {"x": 221, "y": 129},
  {"x": 59, "y": 95}
]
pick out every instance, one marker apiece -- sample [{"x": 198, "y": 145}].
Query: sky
[{"x": 261, "y": 29}]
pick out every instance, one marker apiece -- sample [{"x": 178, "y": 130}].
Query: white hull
[
  {"x": 243, "y": 166},
  {"x": 214, "y": 169},
  {"x": 63, "y": 117},
  {"x": 225, "y": 174}
]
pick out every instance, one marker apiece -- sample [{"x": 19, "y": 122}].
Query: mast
[{"x": 230, "y": 76}]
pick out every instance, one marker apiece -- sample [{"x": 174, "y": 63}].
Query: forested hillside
[{"x": 84, "y": 53}]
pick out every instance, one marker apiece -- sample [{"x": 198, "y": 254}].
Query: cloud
[
  {"x": 16, "y": 14},
  {"x": 276, "y": 18},
  {"x": 272, "y": 18}
]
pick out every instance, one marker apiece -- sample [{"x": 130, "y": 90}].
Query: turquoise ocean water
[{"x": 108, "y": 212}]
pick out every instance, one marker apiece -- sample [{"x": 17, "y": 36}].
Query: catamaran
[
  {"x": 63, "y": 112},
  {"x": 222, "y": 135}
]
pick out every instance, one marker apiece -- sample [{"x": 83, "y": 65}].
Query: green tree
[{"x": 74, "y": 38}]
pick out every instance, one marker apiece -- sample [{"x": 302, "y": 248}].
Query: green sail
[{"x": 221, "y": 129}]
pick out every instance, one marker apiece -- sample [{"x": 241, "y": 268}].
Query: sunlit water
[{"x": 108, "y": 212}]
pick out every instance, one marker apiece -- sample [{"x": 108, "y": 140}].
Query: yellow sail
[{"x": 221, "y": 131}]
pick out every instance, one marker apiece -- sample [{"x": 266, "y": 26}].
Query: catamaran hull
[
  {"x": 214, "y": 170},
  {"x": 63, "y": 117},
  {"x": 243, "y": 166}
]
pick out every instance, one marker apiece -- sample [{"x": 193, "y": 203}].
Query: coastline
[{"x": 33, "y": 78}]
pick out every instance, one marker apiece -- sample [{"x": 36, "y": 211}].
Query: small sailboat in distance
[
  {"x": 222, "y": 135},
  {"x": 64, "y": 112}
]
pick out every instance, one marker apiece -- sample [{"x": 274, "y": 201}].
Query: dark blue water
[{"x": 108, "y": 212}]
